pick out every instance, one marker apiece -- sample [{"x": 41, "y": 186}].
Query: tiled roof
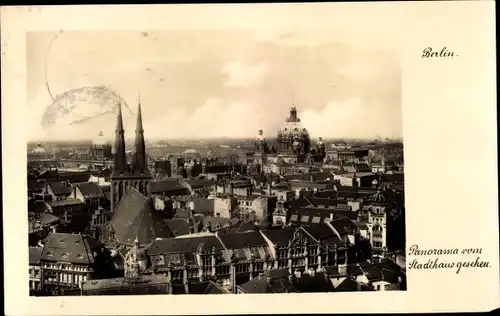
[
  {"x": 215, "y": 223},
  {"x": 74, "y": 176},
  {"x": 207, "y": 287},
  {"x": 60, "y": 188},
  {"x": 343, "y": 225},
  {"x": 72, "y": 248},
  {"x": 181, "y": 245},
  {"x": 359, "y": 190},
  {"x": 90, "y": 190},
  {"x": 326, "y": 202},
  {"x": 135, "y": 217},
  {"x": 169, "y": 185},
  {"x": 178, "y": 226},
  {"x": 319, "y": 282},
  {"x": 242, "y": 240},
  {"x": 321, "y": 232},
  {"x": 325, "y": 194},
  {"x": 264, "y": 285},
  {"x": 200, "y": 183},
  {"x": 280, "y": 236}
]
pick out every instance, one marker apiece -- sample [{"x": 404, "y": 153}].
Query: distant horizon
[{"x": 209, "y": 139}]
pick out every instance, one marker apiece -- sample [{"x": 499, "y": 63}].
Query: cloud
[
  {"x": 214, "y": 118},
  {"x": 240, "y": 75},
  {"x": 352, "y": 118}
]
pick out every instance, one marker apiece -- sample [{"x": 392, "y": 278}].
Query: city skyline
[{"x": 341, "y": 90}]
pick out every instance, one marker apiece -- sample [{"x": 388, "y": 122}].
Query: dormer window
[
  {"x": 50, "y": 254},
  {"x": 65, "y": 255},
  {"x": 79, "y": 256}
]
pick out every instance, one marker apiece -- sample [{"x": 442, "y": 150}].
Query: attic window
[
  {"x": 50, "y": 254},
  {"x": 79, "y": 256},
  {"x": 65, "y": 255}
]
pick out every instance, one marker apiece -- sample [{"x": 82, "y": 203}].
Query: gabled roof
[
  {"x": 265, "y": 285},
  {"x": 135, "y": 217},
  {"x": 59, "y": 188},
  {"x": 322, "y": 232},
  {"x": 72, "y": 248},
  {"x": 280, "y": 236},
  {"x": 319, "y": 282},
  {"x": 90, "y": 190}
]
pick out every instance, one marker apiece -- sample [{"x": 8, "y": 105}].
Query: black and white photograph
[{"x": 213, "y": 162}]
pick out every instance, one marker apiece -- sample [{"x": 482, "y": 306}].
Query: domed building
[
  {"x": 101, "y": 148},
  {"x": 293, "y": 138}
]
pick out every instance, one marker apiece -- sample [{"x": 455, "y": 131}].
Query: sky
[{"x": 206, "y": 84}]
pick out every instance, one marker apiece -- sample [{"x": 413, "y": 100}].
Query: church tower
[{"x": 137, "y": 174}]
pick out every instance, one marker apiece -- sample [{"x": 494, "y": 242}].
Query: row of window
[{"x": 62, "y": 266}]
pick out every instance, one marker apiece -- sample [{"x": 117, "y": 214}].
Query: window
[
  {"x": 305, "y": 219},
  {"x": 207, "y": 261},
  {"x": 79, "y": 256},
  {"x": 65, "y": 255},
  {"x": 283, "y": 254},
  {"x": 159, "y": 260},
  {"x": 177, "y": 274},
  {"x": 193, "y": 273},
  {"x": 313, "y": 260},
  {"x": 175, "y": 258},
  {"x": 50, "y": 254},
  {"x": 217, "y": 214},
  {"x": 282, "y": 263},
  {"x": 294, "y": 217},
  {"x": 258, "y": 266},
  {"x": 222, "y": 270},
  {"x": 316, "y": 219}
]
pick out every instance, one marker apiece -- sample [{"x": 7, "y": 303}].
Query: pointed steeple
[
  {"x": 140, "y": 164},
  {"x": 120, "y": 160}
]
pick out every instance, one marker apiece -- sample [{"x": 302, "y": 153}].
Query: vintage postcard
[{"x": 163, "y": 158}]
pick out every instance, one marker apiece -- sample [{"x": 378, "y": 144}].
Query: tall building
[
  {"x": 136, "y": 174},
  {"x": 293, "y": 139}
]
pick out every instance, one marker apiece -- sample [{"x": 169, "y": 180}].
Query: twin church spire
[{"x": 139, "y": 162}]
